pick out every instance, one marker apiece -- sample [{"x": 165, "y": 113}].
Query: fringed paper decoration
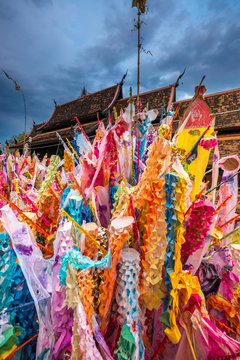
[
  {"x": 183, "y": 283},
  {"x": 33, "y": 165},
  {"x": 154, "y": 249},
  {"x": 51, "y": 172},
  {"x": 224, "y": 305},
  {"x": 148, "y": 199},
  {"x": 88, "y": 248},
  {"x": 9, "y": 168},
  {"x": 2, "y": 184},
  {"x": 122, "y": 189},
  {"x": 75, "y": 156},
  {"x": 126, "y": 345},
  {"x": 78, "y": 210},
  {"x": 80, "y": 229},
  {"x": 90, "y": 351},
  {"x": 72, "y": 300},
  {"x": 118, "y": 235},
  {"x": 163, "y": 131},
  {"x": 143, "y": 130},
  {"x": 197, "y": 227},
  {"x": 151, "y": 135},
  {"x": 142, "y": 125},
  {"x": 75, "y": 209},
  {"x": 62, "y": 317},
  {"x": 171, "y": 219},
  {"x": 113, "y": 157},
  {"x": 180, "y": 208},
  {"x": 8, "y": 267},
  {"x": 48, "y": 206},
  {"x": 159, "y": 160},
  {"x": 126, "y": 296},
  {"x": 112, "y": 191},
  {"x": 208, "y": 144},
  {"x": 102, "y": 238},
  {"x": 83, "y": 345},
  {"x": 75, "y": 258},
  {"x": 96, "y": 283},
  {"x": 68, "y": 161},
  {"x": 137, "y": 163},
  {"x": 84, "y": 281}
]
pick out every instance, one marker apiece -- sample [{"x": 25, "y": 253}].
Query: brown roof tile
[
  {"x": 224, "y": 105},
  {"x": 85, "y": 108},
  {"x": 155, "y": 99}
]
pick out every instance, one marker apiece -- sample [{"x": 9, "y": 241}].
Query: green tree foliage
[{"x": 16, "y": 138}]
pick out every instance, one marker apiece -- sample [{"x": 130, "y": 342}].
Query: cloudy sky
[{"x": 53, "y": 48}]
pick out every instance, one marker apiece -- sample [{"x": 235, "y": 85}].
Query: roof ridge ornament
[{"x": 124, "y": 76}]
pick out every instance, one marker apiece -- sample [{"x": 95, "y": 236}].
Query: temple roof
[
  {"x": 155, "y": 98},
  {"x": 51, "y": 138},
  {"x": 84, "y": 108},
  {"x": 225, "y": 106}
]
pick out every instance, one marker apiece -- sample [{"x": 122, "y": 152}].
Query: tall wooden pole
[
  {"x": 25, "y": 125},
  {"x": 139, "y": 49}
]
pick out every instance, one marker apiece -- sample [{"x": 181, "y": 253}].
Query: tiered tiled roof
[
  {"x": 85, "y": 108},
  {"x": 225, "y": 106}
]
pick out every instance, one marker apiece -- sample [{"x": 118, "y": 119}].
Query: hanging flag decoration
[{"x": 199, "y": 125}]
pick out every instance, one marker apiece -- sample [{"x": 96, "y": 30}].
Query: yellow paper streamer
[
  {"x": 196, "y": 170},
  {"x": 74, "y": 152},
  {"x": 183, "y": 283},
  {"x": 81, "y": 229}
]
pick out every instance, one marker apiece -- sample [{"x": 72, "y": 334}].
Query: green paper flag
[{"x": 126, "y": 344}]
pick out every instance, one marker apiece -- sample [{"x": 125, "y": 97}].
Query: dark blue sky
[{"x": 55, "y": 47}]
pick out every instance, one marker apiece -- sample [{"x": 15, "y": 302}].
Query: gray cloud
[{"x": 210, "y": 47}]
